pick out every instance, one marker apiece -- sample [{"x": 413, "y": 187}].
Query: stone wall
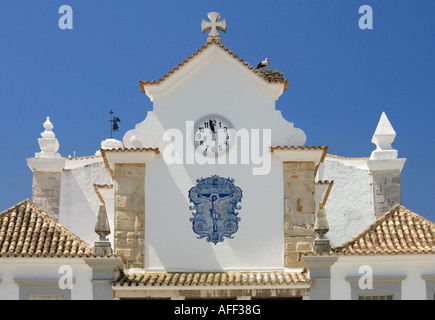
[
  {"x": 386, "y": 190},
  {"x": 46, "y": 192},
  {"x": 129, "y": 236},
  {"x": 232, "y": 294},
  {"x": 299, "y": 210}
]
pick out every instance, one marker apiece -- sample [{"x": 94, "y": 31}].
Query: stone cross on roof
[{"x": 213, "y": 26}]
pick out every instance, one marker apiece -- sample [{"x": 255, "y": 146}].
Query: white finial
[
  {"x": 48, "y": 143},
  {"x": 213, "y": 26},
  {"x": 384, "y": 157},
  {"x": 383, "y": 138},
  {"x": 108, "y": 144}
]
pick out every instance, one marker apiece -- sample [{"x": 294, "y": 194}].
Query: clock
[{"x": 214, "y": 135}]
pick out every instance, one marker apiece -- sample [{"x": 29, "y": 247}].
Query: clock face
[{"x": 213, "y": 136}]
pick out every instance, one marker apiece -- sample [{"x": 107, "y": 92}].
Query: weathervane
[
  {"x": 114, "y": 123},
  {"x": 213, "y": 26}
]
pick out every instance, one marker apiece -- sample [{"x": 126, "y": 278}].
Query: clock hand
[
  {"x": 211, "y": 125},
  {"x": 213, "y": 135}
]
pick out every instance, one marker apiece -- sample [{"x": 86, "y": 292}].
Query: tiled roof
[
  {"x": 104, "y": 151},
  {"x": 269, "y": 78},
  {"x": 192, "y": 279},
  {"x": 325, "y": 148},
  {"x": 399, "y": 231},
  {"x": 27, "y": 231}
]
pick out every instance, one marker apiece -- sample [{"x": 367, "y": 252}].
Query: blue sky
[{"x": 341, "y": 78}]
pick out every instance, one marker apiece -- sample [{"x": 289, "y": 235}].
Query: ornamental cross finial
[{"x": 213, "y": 26}]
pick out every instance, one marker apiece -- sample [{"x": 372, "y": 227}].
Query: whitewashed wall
[
  {"x": 79, "y": 204},
  {"x": 412, "y": 266},
  {"x": 40, "y": 269},
  {"x": 213, "y": 83},
  {"x": 349, "y": 207}
]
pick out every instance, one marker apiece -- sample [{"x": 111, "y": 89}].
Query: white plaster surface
[
  {"x": 213, "y": 83},
  {"x": 413, "y": 266},
  {"x": 349, "y": 208},
  {"x": 170, "y": 241},
  {"x": 79, "y": 203},
  {"x": 43, "y": 268},
  {"x": 217, "y": 84}
]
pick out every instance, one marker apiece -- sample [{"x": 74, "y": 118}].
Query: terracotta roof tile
[
  {"x": 399, "y": 231},
  {"x": 271, "y": 78},
  {"x": 27, "y": 231},
  {"x": 191, "y": 279},
  {"x": 325, "y": 148},
  {"x": 104, "y": 151}
]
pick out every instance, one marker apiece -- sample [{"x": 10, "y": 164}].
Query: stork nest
[{"x": 271, "y": 74}]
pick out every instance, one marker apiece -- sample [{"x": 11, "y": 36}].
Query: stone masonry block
[
  {"x": 307, "y": 165},
  {"x": 298, "y": 189},
  {"x": 123, "y": 185},
  {"x": 124, "y": 220},
  {"x": 120, "y": 242},
  {"x": 129, "y": 213},
  {"x": 289, "y": 206},
  {"x": 138, "y": 202},
  {"x": 302, "y": 223},
  {"x": 126, "y": 252},
  {"x": 305, "y": 205},
  {"x": 119, "y": 169},
  {"x": 122, "y": 202},
  {"x": 131, "y": 235},
  {"x": 119, "y": 234},
  {"x": 304, "y": 246},
  {"x": 307, "y": 175},
  {"x": 291, "y": 175},
  {"x": 139, "y": 170},
  {"x": 291, "y": 260},
  {"x": 128, "y": 170},
  {"x": 298, "y": 243},
  {"x": 138, "y": 186},
  {"x": 292, "y": 166},
  {"x": 288, "y": 226},
  {"x": 131, "y": 242}
]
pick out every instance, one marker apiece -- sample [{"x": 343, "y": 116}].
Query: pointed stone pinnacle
[
  {"x": 383, "y": 138},
  {"x": 384, "y": 131},
  {"x": 102, "y": 227}
]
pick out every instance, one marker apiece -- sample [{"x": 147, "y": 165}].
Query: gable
[
  {"x": 211, "y": 51},
  {"x": 214, "y": 81}
]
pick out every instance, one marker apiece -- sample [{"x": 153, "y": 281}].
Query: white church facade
[{"x": 215, "y": 195}]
